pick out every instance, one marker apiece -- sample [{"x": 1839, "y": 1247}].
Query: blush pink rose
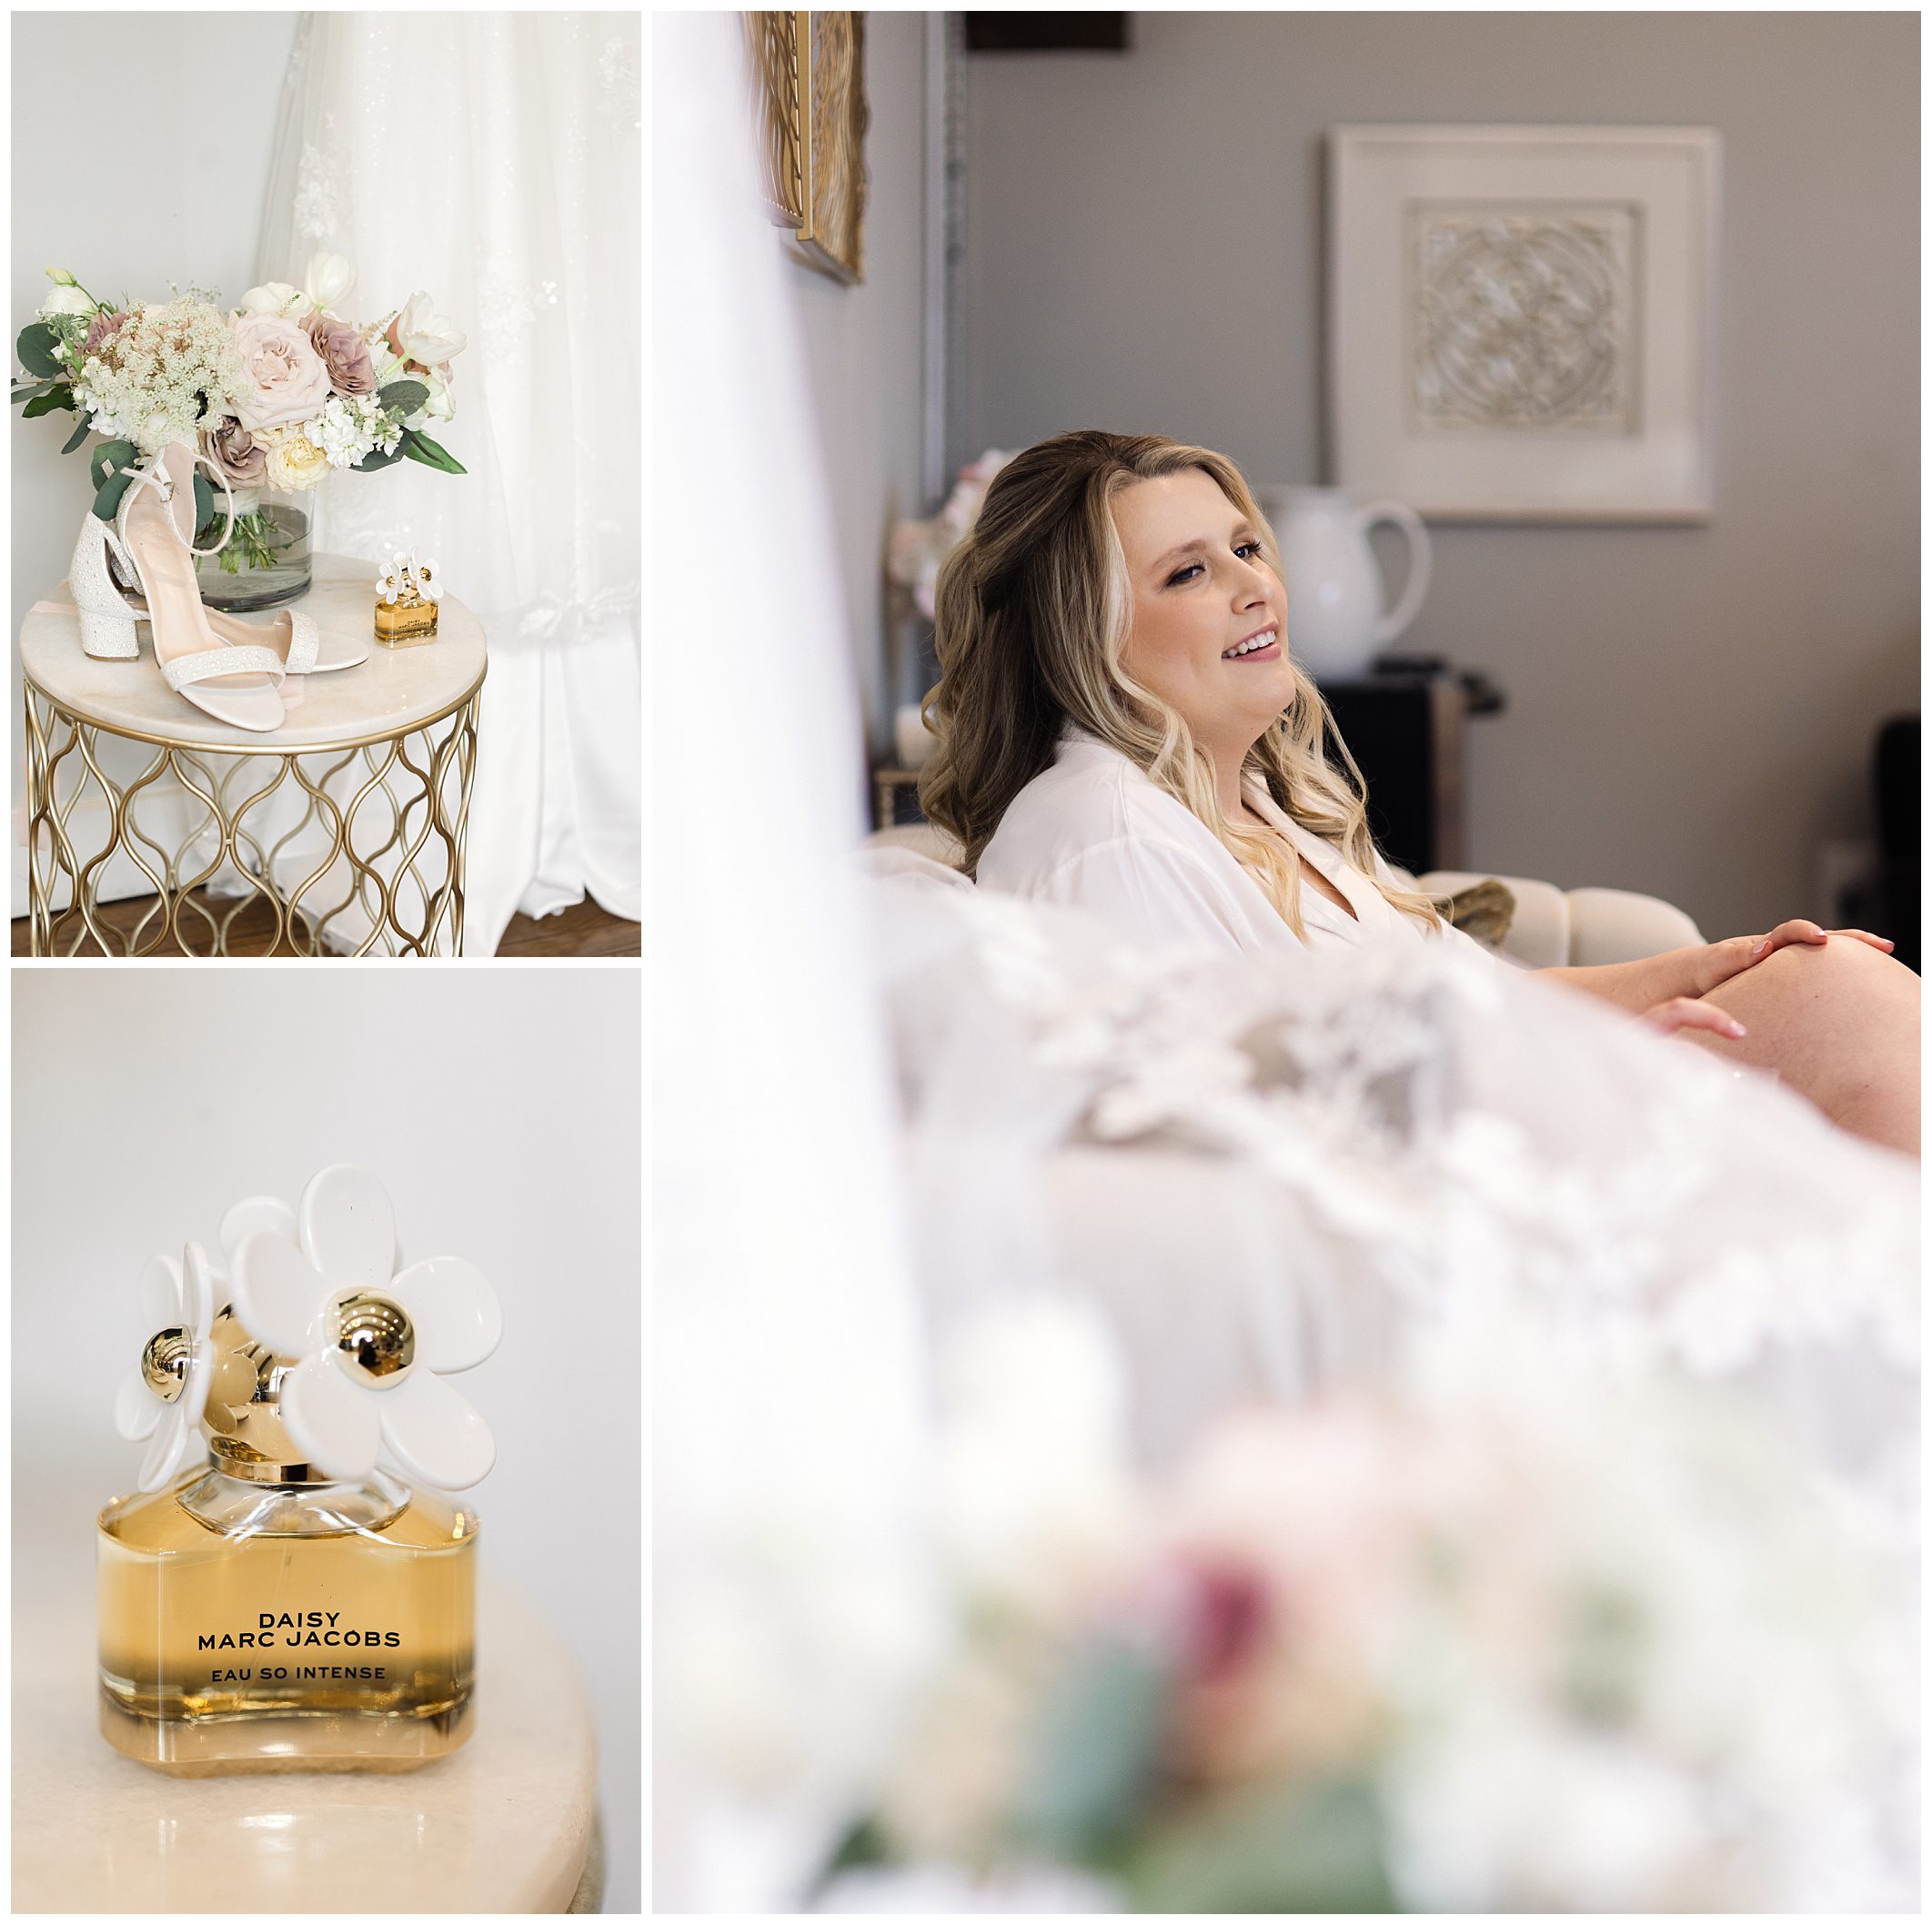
[{"x": 286, "y": 379}]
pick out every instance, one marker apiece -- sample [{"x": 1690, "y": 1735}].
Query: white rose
[
  {"x": 294, "y": 462},
  {"x": 64, "y": 300},
  {"x": 422, "y": 335},
  {"x": 326, "y": 280},
  {"x": 276, "y": 297}
]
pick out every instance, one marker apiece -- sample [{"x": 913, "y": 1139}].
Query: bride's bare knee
[
  {"x": 1827, "y": 972},
  {"x": 1834, "y": 1019}
]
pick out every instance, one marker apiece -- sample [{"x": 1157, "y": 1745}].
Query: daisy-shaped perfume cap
[
  {"x": 160, "y": 1401},
  {"x": 350, "y": 1351}
]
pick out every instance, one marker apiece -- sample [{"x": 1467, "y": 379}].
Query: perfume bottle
[
  {"x": 272, "y": 1599},
  {"x": 407, "y": 592}
]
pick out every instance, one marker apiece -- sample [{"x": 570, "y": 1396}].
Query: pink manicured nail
[
  {"x": 1738, "y": 1029},
  {"x": 1757, "y": 949}
]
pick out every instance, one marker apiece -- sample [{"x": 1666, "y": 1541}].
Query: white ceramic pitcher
[{"x": 1335, "y": 619}]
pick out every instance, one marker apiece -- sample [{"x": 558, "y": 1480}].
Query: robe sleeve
[{"x": 1151, "y": 891}]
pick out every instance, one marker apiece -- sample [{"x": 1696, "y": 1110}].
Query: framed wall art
[
  {"x": 810, "y": 75},
  {"x": 1521, "y": 320}
]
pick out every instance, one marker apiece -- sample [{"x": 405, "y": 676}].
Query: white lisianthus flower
[
  {"x": 441, "y": 404},
  {"x": 67, "y": 299},
  {"x": 296, "y": 462},
  {"x": 383, "y": 357},
  {"x": 61, "y": 278},
  {"x": 276, "y": 297},
  {"x": 421, "y": 334},
  {"x": 326, "y": 280}
]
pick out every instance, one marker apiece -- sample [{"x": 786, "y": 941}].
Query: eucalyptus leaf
[
  {"x": 45, "y": 404},
  {"x": 27, "y": 390},
  {"x": 863, "y": 1844},
  {"x": 1315, "y": 1846},
  {"x": 107, "y": 497},
  {"x": 418, "y": 447},
  {"x": 35, "y": 348},
  {"x": 403, "y": 397},
  {"x": 107, "y": 457},
  {"x": 1096, "y": 1753},
  {"x": 78, "y": 436},
  {"x": 374, "y": 460},
  {"x": 204, "y": 501}
]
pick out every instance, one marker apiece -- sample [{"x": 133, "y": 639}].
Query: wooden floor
[{"x": 584, "y": 931}]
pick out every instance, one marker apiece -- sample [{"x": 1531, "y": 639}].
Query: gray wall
[
  {"x": 1691, "y": 711},
  {"x": 862, "y": 347},
  {"x": 73, "y": 207}
]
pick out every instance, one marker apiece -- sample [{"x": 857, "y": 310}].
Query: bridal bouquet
[
  {"x": 280, "y": 393},
  {"x": 1492, "y": 1648}
]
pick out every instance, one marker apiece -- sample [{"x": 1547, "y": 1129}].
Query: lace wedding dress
[
  {"x": 1279, "y": 1175},
  {"x": 492, "y": 161}
]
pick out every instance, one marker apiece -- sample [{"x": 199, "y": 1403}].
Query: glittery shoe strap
[
  {"x": 305, "y": 642},
  {"x": 209, "y": 662}
]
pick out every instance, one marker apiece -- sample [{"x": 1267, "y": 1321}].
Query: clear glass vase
[{"x": 265, "y": 563}]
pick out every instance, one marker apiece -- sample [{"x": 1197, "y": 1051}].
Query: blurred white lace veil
[{"x": 788, "y": 1428}]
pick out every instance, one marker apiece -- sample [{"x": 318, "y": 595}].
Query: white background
[{"x": 501, "y": 1108}]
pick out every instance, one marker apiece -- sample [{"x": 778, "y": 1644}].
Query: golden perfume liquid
[
  {"x": 248, "y": 1626},
  {"x": 405, "y": 622}
]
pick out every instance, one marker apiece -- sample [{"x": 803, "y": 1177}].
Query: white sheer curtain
[
  {"x": 492, "y": 160},
  {"x": 788, "y": 1478}
]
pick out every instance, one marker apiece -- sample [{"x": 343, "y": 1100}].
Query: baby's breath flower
[{"x": 153, "y": 378}]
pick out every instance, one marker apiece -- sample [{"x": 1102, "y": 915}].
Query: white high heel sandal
[
  {"x": 237, "y": 684},
  {"x": 292, "y": 634}
]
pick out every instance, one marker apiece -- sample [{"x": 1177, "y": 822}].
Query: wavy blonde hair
[{"x": 1034, "y": 611}]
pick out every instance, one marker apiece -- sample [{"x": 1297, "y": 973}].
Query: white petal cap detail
[
  {"x": 459, "y": 1321},
  {"x": 136, "y": 1409},
  {"x": 347, "y": 1228},
  {"x": 337, "y": 1417},
  {"x": 253, "y": 1214},
  {"x": 436, "y": 1434},
  {"x": 334, "y": 1425},
  {"x": 161, "y": 1292},
  {"x": 278, "y": 1294},
  {"x": 174, "y": 1296}
]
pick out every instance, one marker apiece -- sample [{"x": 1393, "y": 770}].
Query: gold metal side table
[{"x": 349, "y": 822}]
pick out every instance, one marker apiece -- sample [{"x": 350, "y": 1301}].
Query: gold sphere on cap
[
  {"x": 375, "y": 1340},
  {"x": 164, "y": 1362}
]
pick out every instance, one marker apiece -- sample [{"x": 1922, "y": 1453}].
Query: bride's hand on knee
[
  {"x": 1687, "y": 1012},
  {"x": 1719, "y": 962}
]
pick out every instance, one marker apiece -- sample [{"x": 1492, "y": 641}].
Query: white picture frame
[{"x": 1522, "y": 319}]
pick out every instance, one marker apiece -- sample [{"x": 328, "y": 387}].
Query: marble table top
[
  {"x": 502, "y": 1825},
  {"x": 394, "y": 690}
]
